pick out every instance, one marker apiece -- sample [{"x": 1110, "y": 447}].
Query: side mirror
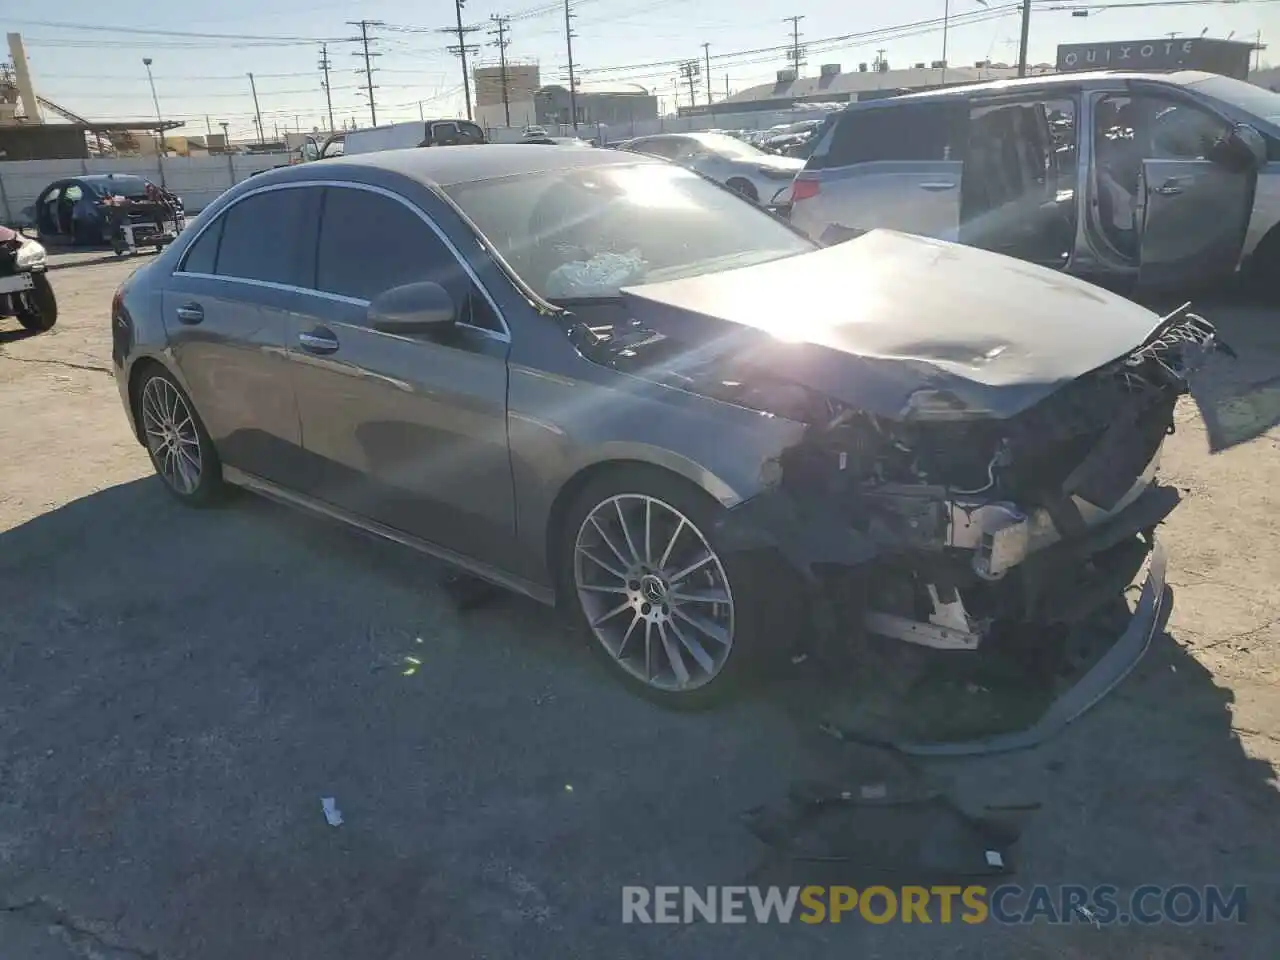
[
  {"x": 1250, "y": 140},
  {"x": 413, "y": 308}
]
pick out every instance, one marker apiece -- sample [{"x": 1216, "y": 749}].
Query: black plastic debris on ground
[{"x": 875, "y": 833}]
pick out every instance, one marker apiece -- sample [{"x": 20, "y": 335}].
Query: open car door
[{"x": 1194, "y": 217}]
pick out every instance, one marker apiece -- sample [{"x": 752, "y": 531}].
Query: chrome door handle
[
  {"x": 319, "y": 341},
  {"x": 936, "y": 187},
  {"x": 1170, "y": 188},
  {"x": 191, "y": 313}
]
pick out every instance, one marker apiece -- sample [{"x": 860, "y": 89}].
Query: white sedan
[{"x": 758, "y": 176}]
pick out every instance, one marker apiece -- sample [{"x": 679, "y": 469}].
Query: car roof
[
  {"x": 963, "y": 91},
  {"x": 465, "y": 163},
  {"x": 106, "y": 177}
]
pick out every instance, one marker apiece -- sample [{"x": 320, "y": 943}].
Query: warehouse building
[{"x": 611, "y": 104}]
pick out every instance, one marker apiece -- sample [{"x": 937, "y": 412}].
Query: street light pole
[{"x": 146, "y": 62}]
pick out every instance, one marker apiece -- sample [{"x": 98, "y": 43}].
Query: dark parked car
[
  {"x": 595, "y": 377},
  {"x": 73, "y": 211}
]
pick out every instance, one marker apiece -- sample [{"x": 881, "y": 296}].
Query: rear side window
[
  {"x": 203, "y": 255},
  {"x": 370, "y": 243},
  {"x": 908, "y": 132},
  {"x": 260, "y": 238},
  {"x": 665, "y": 147}
]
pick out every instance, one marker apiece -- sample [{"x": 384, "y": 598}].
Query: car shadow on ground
[{"x": 179, "y": 689}]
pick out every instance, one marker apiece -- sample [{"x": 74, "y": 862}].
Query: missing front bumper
[{"x": 1105, "y": 674}]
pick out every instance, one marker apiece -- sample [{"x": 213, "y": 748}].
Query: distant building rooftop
[
  {"x": 615, "y": 88},
  {"x": 850, "y": 84}
]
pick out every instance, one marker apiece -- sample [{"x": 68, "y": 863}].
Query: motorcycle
[{"x": 25, "y": 291}]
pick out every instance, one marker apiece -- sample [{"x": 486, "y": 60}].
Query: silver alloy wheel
[
  {"x": 654, "y": 592},
  {"x": 171, "y": 435}
]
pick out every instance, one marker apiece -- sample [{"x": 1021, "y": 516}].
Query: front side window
[
  {"x": 72, "y": 193},
  {"x": 470, "y": 133},
  {"x": 261, "y": 238},
  {"x": 370, "y": 243},
  {"x": 202, "y": 257},
  {"x": 666, "y": 147},
  {"x": 587, "y": 232}
]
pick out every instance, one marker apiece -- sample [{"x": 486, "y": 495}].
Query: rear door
[
  {"x": 407, "y": 431},
  {"x": 1195, "y": 211},
  {"x": 897, "y": 166},
  {"x": 227, "y": 311}
]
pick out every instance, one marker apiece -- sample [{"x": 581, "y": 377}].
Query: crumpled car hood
[{"x": 873, "y": 320}]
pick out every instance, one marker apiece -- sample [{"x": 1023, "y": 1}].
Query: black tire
[
  {"x": 745, "y": 188},
  {"x": 760, "y": 614},
  {"x": 42, "y": 313},
  {"x": 209, "y": 487}
]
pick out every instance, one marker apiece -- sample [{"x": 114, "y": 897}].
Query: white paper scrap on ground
[{"x": 331, "y": 811}]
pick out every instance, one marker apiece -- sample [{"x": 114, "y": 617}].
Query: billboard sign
[{"x": 1191, "y": 53}]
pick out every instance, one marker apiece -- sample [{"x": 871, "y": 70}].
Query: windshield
[
  {"x": 589, "y": 231},
  {"x": 134, "y": 188},
  {"x": 727, "y": 146},
  {"x": 1244, "y": 96}
]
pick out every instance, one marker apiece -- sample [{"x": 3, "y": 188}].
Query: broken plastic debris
[
  {"x": 994, "y": 859},
  {"x": 331, "y": 811},
  {"x": 568, "y": 788},
  {"x": 873, "y": 791}
]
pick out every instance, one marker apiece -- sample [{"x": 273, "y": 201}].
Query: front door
[
  {"x": 227, "y": 311},
  {"x": 1191, "y": 212},
  {"x": 407, "y": 431},
  {"x": 1194, "y": 222}
]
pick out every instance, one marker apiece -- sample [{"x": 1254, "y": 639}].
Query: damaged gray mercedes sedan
[{"x": 605, "y": 382}]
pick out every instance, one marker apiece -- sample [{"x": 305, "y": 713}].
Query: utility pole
[
  {"x": 364, "y": 26},
  {"x": 796, "y": 52},
  {"x": 573, "y": 83},
  {"x": 1026, "y": 34},
  {"x": 726, "y": 86},
  {"x": 461, "y": 49},
  {"x": 421, "y": 116},
  {"x": 689, "y": 71},
  {"x": 256, "y": 112},
  {"x": 501, "y": 25},
  {"x": 324, "y": 67},
  {"x": 706, "y": 58}
]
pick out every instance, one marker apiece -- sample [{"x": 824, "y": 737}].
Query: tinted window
[
  {"x": 203, "y": 255},
  {"x": 72, "y": 192},
  {"x": 920, "y": 131},
  {"x": 260, "y": 238},
  {"x": 370, "y": 243}
]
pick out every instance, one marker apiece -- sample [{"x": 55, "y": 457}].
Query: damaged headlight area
[{"x": 939, "y": 525}]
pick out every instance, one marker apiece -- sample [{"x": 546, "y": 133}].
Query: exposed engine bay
[{"x": 941, "y": 522}]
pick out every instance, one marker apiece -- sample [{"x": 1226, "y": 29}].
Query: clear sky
[{"x": 99, "y": 74}]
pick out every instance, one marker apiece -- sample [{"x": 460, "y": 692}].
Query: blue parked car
[{"x": 72, "y": 211}]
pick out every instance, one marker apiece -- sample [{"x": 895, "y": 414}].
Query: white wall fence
[
  {"x": 749, "y": 120},
  {"x": 201, "y": 180},
  {"x": 197, "y": 180}
]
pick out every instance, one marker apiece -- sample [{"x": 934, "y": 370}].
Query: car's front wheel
[
  {"x": 177, "y": 442},
  {"x": 671, "y": 613}
]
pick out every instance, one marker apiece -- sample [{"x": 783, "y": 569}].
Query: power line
[
  {"x": 501, "y": 25},
  {"x": 461, "y": 49},
  {"x": 368, "y": 55},
  {"x": 146, "y": 31}
]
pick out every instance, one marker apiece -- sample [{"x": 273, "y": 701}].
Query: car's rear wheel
[
  {"x": 179, "y": 446},
  {"x": 40, "y": 310},
  {"x": 744, "y": 187},
  {"x": 672, "y": 614}
]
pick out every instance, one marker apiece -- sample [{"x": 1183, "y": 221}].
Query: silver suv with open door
[{"x": 1114, "y": 176}]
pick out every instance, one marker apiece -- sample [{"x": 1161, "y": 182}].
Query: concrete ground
[{"x": 179, "y": 689}]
